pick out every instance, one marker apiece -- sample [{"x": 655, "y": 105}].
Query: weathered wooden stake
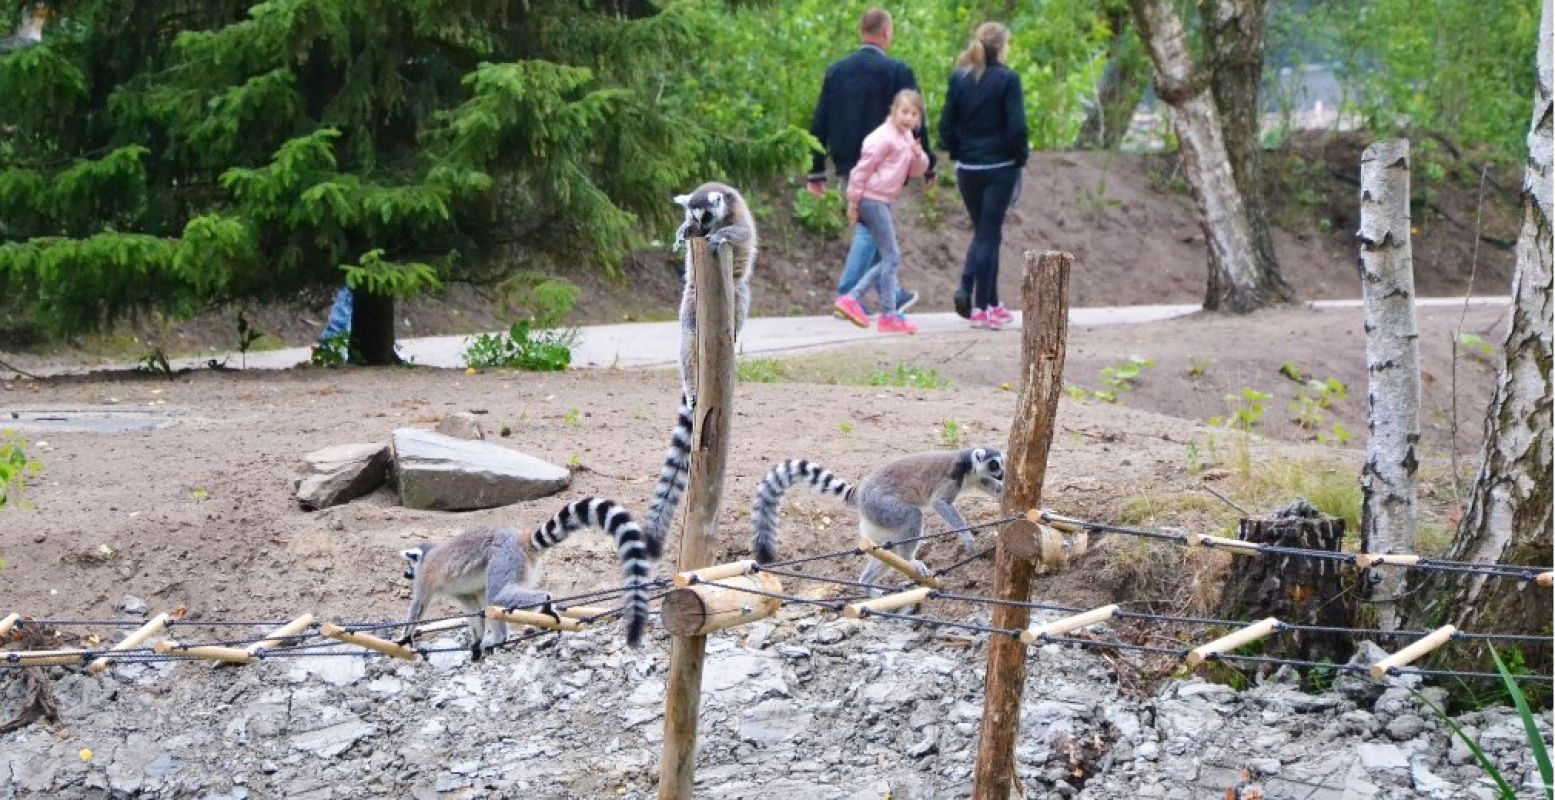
[
  {"x": 1392, "y": 368},
  {"x": 1045, "y": 330},
  {"x": 702, "y": 609},
  {"x": 1233, "y": 640},
  {"x": 713, "y": 361}
]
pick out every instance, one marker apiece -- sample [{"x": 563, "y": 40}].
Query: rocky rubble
[{"x": 802, "y": 708}]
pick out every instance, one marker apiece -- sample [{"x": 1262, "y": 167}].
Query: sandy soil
[{"x": 200, "y": 514}]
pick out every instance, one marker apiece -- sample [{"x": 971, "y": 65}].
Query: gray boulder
[
  {"x": 461, "y": 425},
  {"x": 341, "y": 474},
  {"x": 441, "y": 472}
]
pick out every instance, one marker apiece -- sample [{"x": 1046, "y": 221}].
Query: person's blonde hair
[
  {"x": 874, "y": 22},
  {"x": 910, "y": 96},
  {"x": 987, "y": 47}
]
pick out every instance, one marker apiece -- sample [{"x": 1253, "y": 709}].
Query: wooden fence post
[
  {"x": 713, "y": 361},
  {"x": 1045, "y": 331},
  {"x": 1392, "y": 369}
]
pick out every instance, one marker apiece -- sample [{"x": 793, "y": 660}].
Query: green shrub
[{"x": 522, "y": 348}]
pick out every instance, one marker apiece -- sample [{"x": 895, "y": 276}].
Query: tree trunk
[
  {"x": 1233, "y": 38},
  {"x": 1509, "y": 517},
  {"x": 1235, "y": 281},
  {"x": 1392, "y": 370},
  {"x": 1122, "y": 84},
  {"x": 372, "y": 330}
]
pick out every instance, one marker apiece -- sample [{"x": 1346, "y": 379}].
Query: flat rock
[
  {"x": 341, "y": 473},
  {"x": 461, "y": 425},
  {"x": 444, "y": 473}
]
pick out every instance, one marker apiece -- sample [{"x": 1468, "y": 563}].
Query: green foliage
[
  {"x": 951, "y": 432},
  {"x": 845, "y": 427},
  {"x": 333, "y": 351},
  {"x": 1462, "y": 68},
  {"x": 1476, "y": 344},
  {"x": 824, "y": 216},
  {"x": 760, "y": 370},
  {"x": 1536, "y": 744},
  {"x": 522, "y": 348},
  {"x": 155, "y": 363},
  {"x": 1118, "y": 379},
  {"x": 1243, "y": 410},
  {"x": 1198, "y": 367},
  {"x": 172, "y": 155},
  {"x": 1315, "y": 397},
  {"x": 572, "y": 417},
  {"x": 15, "y": 468},
  {"x": 906, "y": 376}
]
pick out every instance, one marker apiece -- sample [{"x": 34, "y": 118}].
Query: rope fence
[{"x": 304, "y": 637}]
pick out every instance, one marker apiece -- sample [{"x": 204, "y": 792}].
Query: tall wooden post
[
  {"x": 713, "y": 362},
  {"x": 1045, "y": 331}
]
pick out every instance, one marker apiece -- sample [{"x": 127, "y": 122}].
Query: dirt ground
[{"x": 199, "y": 514}]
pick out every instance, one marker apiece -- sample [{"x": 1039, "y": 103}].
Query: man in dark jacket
[{"x": 855, "y": 99}]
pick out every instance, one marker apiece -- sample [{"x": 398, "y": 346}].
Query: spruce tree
[{"x": 178, "y": 154}]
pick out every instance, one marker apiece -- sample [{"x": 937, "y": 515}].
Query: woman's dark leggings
[{"x": 987, "y": 194}]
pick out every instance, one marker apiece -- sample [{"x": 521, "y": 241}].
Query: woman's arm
[
  {"x": 1015, "y": 134},
  {"x": 947, "y": 121}
]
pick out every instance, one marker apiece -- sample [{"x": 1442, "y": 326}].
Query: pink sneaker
[
  {"x": 851, "y": 310},
  {"x": 999, "y": 313},
  {"x": 895, "y": 323},
  {"x": 979, "y": 318}
]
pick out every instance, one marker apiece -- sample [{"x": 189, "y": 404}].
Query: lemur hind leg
[{"x": 885, "y": 521}]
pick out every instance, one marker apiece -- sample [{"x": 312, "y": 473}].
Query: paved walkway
[{"x": 657, "y": 344}]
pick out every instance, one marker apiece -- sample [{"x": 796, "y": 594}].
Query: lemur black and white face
[
  {"x": 988, "y": 469},
  {"x": 705, "y": 211},
  {"x": 413, "y": 558}
]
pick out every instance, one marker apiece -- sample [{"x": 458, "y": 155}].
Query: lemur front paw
[{"x": 550, "y": 610}]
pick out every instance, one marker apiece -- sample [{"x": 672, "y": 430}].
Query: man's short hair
[{"x": 875, "y": 22}]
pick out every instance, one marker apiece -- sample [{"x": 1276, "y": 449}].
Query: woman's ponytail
[{"x": 987, "y": 47}]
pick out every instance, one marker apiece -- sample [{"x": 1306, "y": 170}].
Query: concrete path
[{"x": 657, "y": 344}]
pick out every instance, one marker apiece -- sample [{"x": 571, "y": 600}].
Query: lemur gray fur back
[
  {"x": 498, "y": 566},
  {"x": 891, "y": 500},
  {"x": 717, "y": 212}
]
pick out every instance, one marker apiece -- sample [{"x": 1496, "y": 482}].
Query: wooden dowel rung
[
  {"x": 1233, "y": 640},
  {"x": 1545, "y": 579},
  {"x": 368, "y": 641},
  {"x": 1237, "y": 546},
  {"x": 8, "y": 623},
  {"x": 155, "y": 626},
  {"x": 581, "y": 613},
  {"x": 41, "y": 658},
  {"x": 280, "y": 637},
  {"x": 1368, "y": 560},
  {"x": 1074, "y": 622},
  {"x": 533, "y": 619},
  {"x": 716, "y": 572},
  {"x": 1053, "y": 521},
  {"x": 1412, "y": 653},
  {"x": 896, "y": 562},
  {"x": 890, "y": 602},
  {"x": 231, "y": 655}
]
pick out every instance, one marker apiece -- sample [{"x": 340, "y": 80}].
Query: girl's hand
[{"x": 852, "y": 214}]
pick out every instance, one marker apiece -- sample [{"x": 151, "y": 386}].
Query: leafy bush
[
  {"x": 823, "y": 216},
  {"x": 15, "y": 467},
  {"x": 522, "y": 348}
]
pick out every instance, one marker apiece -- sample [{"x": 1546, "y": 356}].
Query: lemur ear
[
  {"x": 715, "y": 198},
  {"x": 682, "y": 200},
  {"x": 413, "y": 555},
  {"x": 979, "y": 455}
]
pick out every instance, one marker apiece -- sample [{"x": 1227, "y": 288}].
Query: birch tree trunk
[
  {"x": 1235, "y": 281},
  {"x": 1234, "y": 38},
  {"x": 1392, "y": 369},
  {"x": 1508, "y": 519}
]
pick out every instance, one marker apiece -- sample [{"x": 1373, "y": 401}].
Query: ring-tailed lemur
[
  {"x": 718, "y": 212},
  {"x": 500, "y": 566},
  {"x": 890, "y": 501}
]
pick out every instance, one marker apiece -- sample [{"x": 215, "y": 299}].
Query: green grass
[
  {"x": 760, "y": 370},
  {"x": 907, "y": 376}
]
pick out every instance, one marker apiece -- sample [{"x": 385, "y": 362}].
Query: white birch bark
[
  {"x": 1235, "y": 281},
  {"x": 1509, "y": 515},
  {"x": 1392, "y": 369}
]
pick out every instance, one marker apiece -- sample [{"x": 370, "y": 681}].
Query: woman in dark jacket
[{"x": 983, "y": 125}]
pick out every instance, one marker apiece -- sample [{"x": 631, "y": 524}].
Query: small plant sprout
[
  {"x": 247, "y": 335},
  {"x": 572, "y": 417},
  {"x": 760, "y": 370},
  {"x": 1198, "y": 366},
  {"x": 950, "y": 433},
  {"x": 845, "y": 427},
  {"x": 1244, "y": 410},
  {"x": 575, "y": 462}
]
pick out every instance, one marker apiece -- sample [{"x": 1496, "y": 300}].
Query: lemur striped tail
[
  {"x": 637, "y": 550},
  {"x": 672, "y": 478},
  {"x": 764, "y": 516}
]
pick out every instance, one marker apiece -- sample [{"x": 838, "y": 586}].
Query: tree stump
[{"x": 1298, "y": 591}]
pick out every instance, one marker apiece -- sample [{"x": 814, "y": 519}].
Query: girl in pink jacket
[{"x": 891, "y": 155}]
